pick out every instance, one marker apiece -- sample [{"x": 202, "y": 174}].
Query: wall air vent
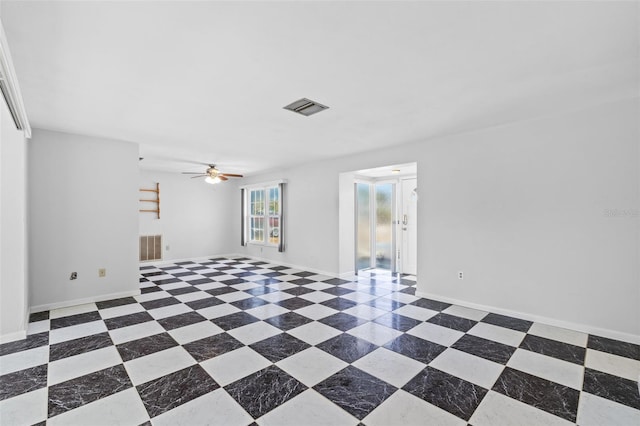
[{"x": 306, "y": 107}]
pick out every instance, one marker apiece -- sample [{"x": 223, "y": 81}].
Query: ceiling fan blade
[
  {"x": 193, "y": 177},
  {"x": 230, "y": 175},
  {"x": 222, "y": 178}
]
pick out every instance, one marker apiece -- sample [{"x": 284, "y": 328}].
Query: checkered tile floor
[{"x": 237, "y": 341}]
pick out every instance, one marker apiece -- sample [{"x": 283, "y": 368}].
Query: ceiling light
[
  {"x": 211, "y": 180},
  {"x": 306, "y": 107},
  {"x": 395, "y": 171}
]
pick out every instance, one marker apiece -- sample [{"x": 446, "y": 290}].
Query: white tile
[
  {"x": 217, "y": 311},
  {"x": 319, "y": 277},
  {"x": 245, "y": 286},
  {"x": 553, "y": 369},
  {"x": 471, "y": 368},
  {"x": 499, "y": 410},
  {"x": 309, "y": 409},
  {"x": 461, "y": 311},
  {"x": 173, "y": 286},
  {"x": 158, "y": 364},
  {"x": 389, "y": 366},
  {"x": 316, "y": 312},
  {"x": 314, "y": 332},
  {"x": 365, "y": 312},
  {"x": 38, "y": 327},
  {"x": 318, "y": 286},
  {"x": 415, "y": 312},
  {"x": 560, "y": 334},
  {"x": 311, "y": 366},
  {"x": 72, "y": 310},
  {"x": 254, "y": 332},
  {"x": 613, "y": 364},
  {"x": 374, "y": 333},
  {"x": 276, "y": 296},
  {"x": 169, "y": 311},
  {"x": 402, "y": 297},
  {"x": 190, "y": 297},
  {"x": 282, "y": 286},
  {"x": 402, "y": 408},
  {"x": 25, "y": 409},
  {"x": 214, "y": 408},
  {"x": 234, "y": 365},
  {"x": 76, "y": 331},
  {"x": 267, "y": 311},
  {"x": 317, "y": 296},
  {"x": 118, "y": 311},
  {"x": 497, "y": 334},
  {"x": 193, "y": 332},
  {"x": 24, "y": 359},
  {"x": 82, "y": 364},
  {"x": 136, "y": 331},
  {"x": 209, "y": 286},
  {"x": 122, "y": 408},
  {"x": 359, "y": 297},
  {"x": 436, "y": 334},
  {"x": 155, "y": 295},
  {"x": 235, "y": 296},
  {"x": 596, "y": 411}
]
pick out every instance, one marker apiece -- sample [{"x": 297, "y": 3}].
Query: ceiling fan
[{"x": 212, "y": 175}]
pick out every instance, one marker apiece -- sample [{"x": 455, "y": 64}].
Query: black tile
[
  {"x": 204, "y": 303},
  {"x": 182, "y": 290},
  {"x": 487, "y": 349},
  {"x": 196, "y": 268},
  {"x": 397, "y": 322},
  {"x": 243, "y": 274},
  {"x": 268, "y": 281},
  {"x": 385, "y": 304},
  {"x": 339, "y": 303},
  {"x": 234, "y": 281},
  {"x": 75, "y": 320},
  {"x": 79, "y": 346},
  {"x": 342, "y": 321},
  {"x": 302, "y": 281},
  {"x": 304, "y": 274},
  {"x": 212, "y": 346},
  {"x": 294, "y": 303},
  {"x": 145, "y": 346},
  {"x": 337, "y": 291},
  {"x": 553, "y": 348},
  {"x": 615, "y": 347},
  {"x": 167, "y": 281},
  {"x": 258, "y": 262},
  {"x": 252, "y": 302},
  {"x": 181, "y": 320},
  {"x": 23, "y": 381},
  {"x": 39, "y": 316},
  {"x": 146, "y": 268},
  {"x": 116, "y": 302},
  {"x": 434, "y": 305},
  {"x": 170, "y": 391},
  {"x": 355, "y": 391},
  {"x": 347, "y": 347},
  {"x": 220, "y": 291},
  {"x": 186, "y": 262},
  {"x": 264, "y": 390},
  {"x": 448, "y": 392},
  {"x": 453, "y": 322},
  {"x": 273, "y": 274},
  {"x": 236, "y": 320},
  {"x": 299, "y": 291},
  {"x": 613, "y": 388},
  {"x": 279, "y": 347},
  {"x": 153, "y": 274},
  {"x": 288, "y": 321},
  {"x": 127, "y": 320},
  {"x": 145, "y": 290},
  {"x": 213, "y": 274},
  {"x": 279, "y": 268},
  {"x": 83, "y": 390},
  {"x": 408, "y": 290},
  {"x": 224, "y": 268},
  {"x": 508, "y": 322},
  {"x": 171, "y": 267},
  {"x": 415, "y": 348},
  {"x": 336, "y": 281},
  {"x": 183, "y": 274},
  {"x": 259, "y": 291},
  {"x": 31, "y": 342},
  {"x": 160, "y": 303},
  {"x": 200, "y": 281},
  {"x": 143, "y": 280},
  {"x": 551, "y": 397}
]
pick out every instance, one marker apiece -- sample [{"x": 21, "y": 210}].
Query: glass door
[{"x": 375, "y": 230}]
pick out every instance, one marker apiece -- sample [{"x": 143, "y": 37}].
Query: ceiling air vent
[{"x": 305, "y": 107}]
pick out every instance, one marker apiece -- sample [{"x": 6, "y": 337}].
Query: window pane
[
  {"x": 363, "y": 243},
  {"x": 274, "y": 202},
  {"x": 257, "y": 202},
  {"x": 274, "y": 230},
  {"x": 384, "y": 206},
  {"x": 257, "y": 229}
]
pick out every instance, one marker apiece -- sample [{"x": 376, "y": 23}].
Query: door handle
[{"x": 405, "y": 220}]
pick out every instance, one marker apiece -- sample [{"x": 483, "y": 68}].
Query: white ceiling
[{"x": 206, "y": 81}]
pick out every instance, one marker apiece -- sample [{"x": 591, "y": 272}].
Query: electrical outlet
[
  {"x": 102, "y": 272},
  {"x": 74, "y": 275},
  {"x": 460, "y": 275}
]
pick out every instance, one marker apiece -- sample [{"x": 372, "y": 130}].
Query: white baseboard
[
  {"x": 584, "y": 328},
  {"x": 10, "y": 337},
  {"x": 92, "y": 299}
]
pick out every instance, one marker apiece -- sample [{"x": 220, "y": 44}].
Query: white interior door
[{"x": 409, "y": 227}]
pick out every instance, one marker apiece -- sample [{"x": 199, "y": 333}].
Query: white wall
[
  {"x": 83, "y": 202},
  {"x": 195, "y": 216},
  {"x": 519, "y": 208},
  {"x": 13, "y": 229}
]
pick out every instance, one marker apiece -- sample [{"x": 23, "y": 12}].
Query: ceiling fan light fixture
[{"x": 213, "y": 180}]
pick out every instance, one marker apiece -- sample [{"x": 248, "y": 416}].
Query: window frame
[{"x": 267, "y": 213}]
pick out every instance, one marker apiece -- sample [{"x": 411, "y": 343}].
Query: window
[{"x": 262, "y": 217}]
